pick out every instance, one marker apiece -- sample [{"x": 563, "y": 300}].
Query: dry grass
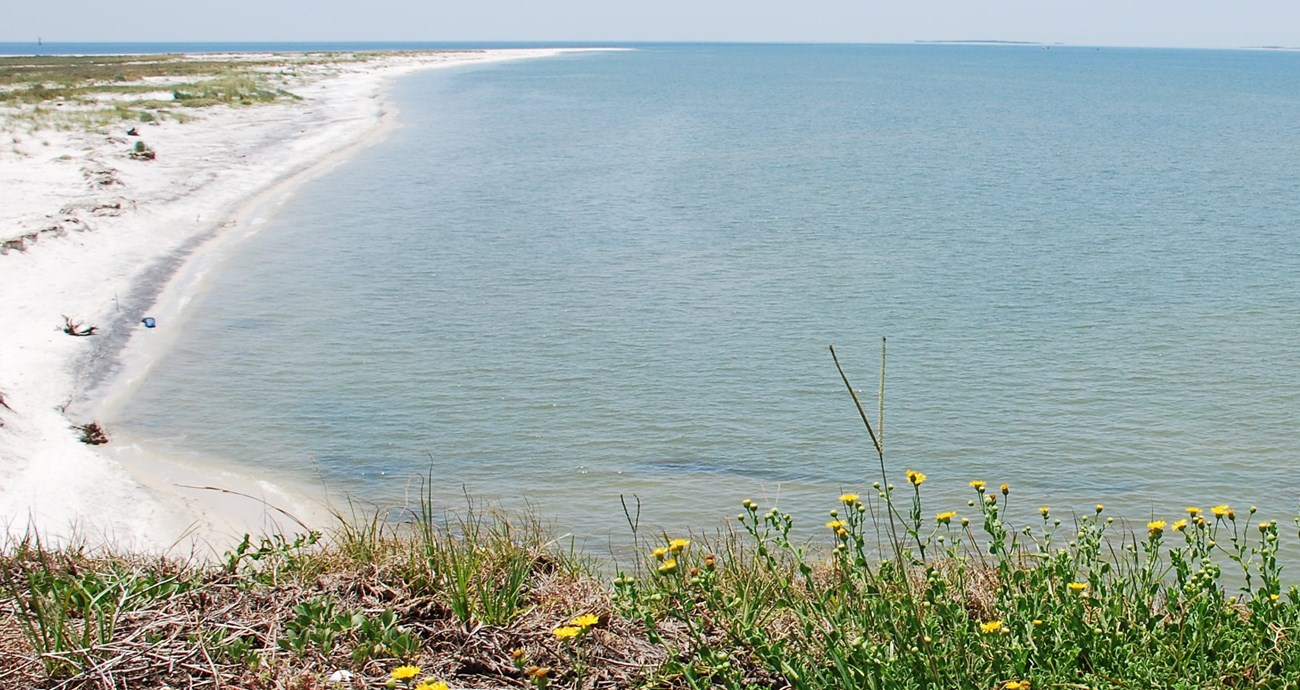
[
  {"x": 226, "y": 625},
  {"x": 88, "y": 92}
]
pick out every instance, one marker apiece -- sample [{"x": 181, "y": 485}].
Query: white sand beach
[{"x": 91, "y": 234}]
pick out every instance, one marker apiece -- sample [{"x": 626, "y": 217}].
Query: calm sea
[{"x": 616, "y": 274}]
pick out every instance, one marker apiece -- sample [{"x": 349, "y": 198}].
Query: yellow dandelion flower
[
  {"x": 586, "y": 620},
  {"x": 1155, "y": 527},
  {"x": 946, "y": 517},
  {"x": 1005, "y": 489},
  {"x": 667, "y": 566},
  {"x": 660, "y": 552},
  {"x": 565, "y": 632},
  {"x": 990, "y": 627},
  {"x": 841, "y": 533},
  {"x": 1193, "y": 511},
  {"x": 1180, "y": 525},
  {"x": 836, "y": 524},
  {"x": 1015, "y": 685},
  {"x": 405, "y": 672},
  {"x": 915, "y": 478},
  {"x": 1221, "y": 511},
  {"x": 677, "y": 545},
  {"x": 1044, "y": 510},
  {"x": 978, "y": 485},
  {"x": 848, "y": 498},
  {"x": 1077, "y": 586},
  {"x": 431, "y": 684}
]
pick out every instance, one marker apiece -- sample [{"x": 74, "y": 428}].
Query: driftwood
[
  {"x": 92, "y": 434},
  {"x": 76, "y": 328}
]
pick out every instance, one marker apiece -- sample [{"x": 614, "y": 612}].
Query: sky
[{"x": 1156, "y": 23}]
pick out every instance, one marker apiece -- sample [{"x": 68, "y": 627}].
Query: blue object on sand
[{"x": 149, "y": 322}]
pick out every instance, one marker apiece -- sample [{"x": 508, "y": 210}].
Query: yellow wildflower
[
  {"x": 848, "y": 498},
  {"x": 1045, "y": 510},
  {"x": 1155, "y": 527},
  {"x": 431, "y": 684},
  {"x": 404, "y": 672},
  {"x": 1193, "y": 511},
  {"x": 660, "y": 552},
  {"x": 1221, "y": 511},
  {"x": 946, "y": 517},
  {"x": 667, "y": 566},
  {"x": 1005, "y": 489},
  {"x": 1077, "y": 586},
  {"x": 1180, "y": 525},
  {"x": 978, "y": 485},
  {"x": 990, "y": 627},
  {"x": 915, "y": 478},
  {"x": 678, "y": 544},
  {"x": 1017, "y": 685},
  {"x": 836, "y": 524},
  {"x": 586, "y": 620},
  {"x": 1100, "y": 507},
  {"x": 565, "y": 632}
]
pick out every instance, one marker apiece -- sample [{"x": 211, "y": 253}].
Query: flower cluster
[{"x": 408, "y": 673}]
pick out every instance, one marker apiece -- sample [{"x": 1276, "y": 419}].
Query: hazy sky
[{"x": 1189, "y": 23}]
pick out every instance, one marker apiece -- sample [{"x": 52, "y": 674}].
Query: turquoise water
[{"x": 571, "y": 279}]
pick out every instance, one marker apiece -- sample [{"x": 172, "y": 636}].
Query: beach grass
[
  {"x": 88, "y": 92},
  {"x": 892, "y": 595},
  {"x": 482, "y": 598}
]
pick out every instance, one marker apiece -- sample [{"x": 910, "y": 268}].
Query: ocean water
[{"x": 570, "y": 280}]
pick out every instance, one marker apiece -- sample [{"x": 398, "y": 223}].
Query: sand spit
[{"x": 94, "y": 236}]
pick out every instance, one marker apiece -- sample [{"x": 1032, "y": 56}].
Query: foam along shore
[{"x": 97, "y": 237}]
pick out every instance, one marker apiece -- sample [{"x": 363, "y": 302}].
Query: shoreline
[{"x": 171, "y": 222}]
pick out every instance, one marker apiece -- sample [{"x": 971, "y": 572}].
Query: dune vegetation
[
  {"x": 890, "y": 595},
  {"x": 91, "y": 91},
  {"x": 489, "y": 600}
]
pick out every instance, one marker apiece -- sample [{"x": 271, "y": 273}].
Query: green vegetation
[
  {"x": 968, "y": 601},
  {"x": 86, "y": 92},
  {"x": 894, "y": 594}
]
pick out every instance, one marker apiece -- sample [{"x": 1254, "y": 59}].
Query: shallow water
[{"x": 571, "y": 279}]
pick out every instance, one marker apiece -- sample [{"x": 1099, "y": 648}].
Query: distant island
[{"x": 980, "y": 41}]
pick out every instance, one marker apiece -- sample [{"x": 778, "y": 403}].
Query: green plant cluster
[
  {"x": 66, "y": 612},
  {"x": 69, "y": 91},
  {"x": 973, "y": 602},
  {"x": 317, "y": 627}
]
